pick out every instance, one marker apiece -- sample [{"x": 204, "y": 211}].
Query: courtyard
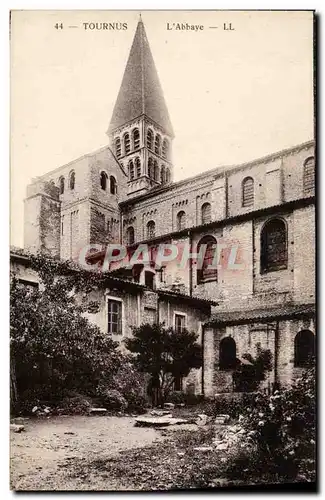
[{"x": 43, "y": 456}]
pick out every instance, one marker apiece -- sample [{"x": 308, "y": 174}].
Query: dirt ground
[{"x": 40, "y": 455}]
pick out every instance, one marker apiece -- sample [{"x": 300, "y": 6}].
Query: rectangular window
[
  {"x": 179, "y": 323},
  {"x": 114, "y": 317}
]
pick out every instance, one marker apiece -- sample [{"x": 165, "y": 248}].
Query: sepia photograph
[{"x": 162, "y": 250}]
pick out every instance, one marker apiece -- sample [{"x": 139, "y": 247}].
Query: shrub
[
  {"x": 132, "y": 385},
  {"x": 247, "y": 377},
  {"x": 76, "y": 404},
  {"x": 283, "y": 428},
  {"x": 231, "y": 404},
  {"x": 112, "y": 399},
  {"x": 179, "y": 397},
  {"x": 54, "y": 348},
  {"x": 176, "y": 397}
]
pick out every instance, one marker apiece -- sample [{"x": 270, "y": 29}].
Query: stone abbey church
[{"x": 125, "y": 193}]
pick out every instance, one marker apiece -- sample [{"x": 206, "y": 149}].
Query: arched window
[
  {"x": 157, "y": 144},
  {"x": 137, "y": 167},
  {"x": 274, "y": 255},
  {"x": 156, "y": 171},
  {"x": 72, "y": 180},
  {"x": 149, "y": 139},
  {"x": 309, "y": 176},
  {"x": 118, "y": 147},
  {"x": 113, "y": 185},
  {"x": 248, "y": 192},
  {"x": 206, "y": 213},
  {"x": 130, "y": 235},
  {"x": 206, "y": 249},
  {"x": 103, "y": 180},
  {"x": 162, "y": 175},
  {"x": 151, "y": 229},
  {"x": 227, "y": 354},
  {"x": 304, "y": 348},
  {"x": 181, "y": 220},
  {"x": 61, "y": 183},
  {"x": 151, "y": 172},
  {"x": 167, "y": 175},
  {"x": 131, "y": 170},
  {"x": 126, "y": 140},
  {"x": 165, "y": 148},
  {"x": 136, "y": 138}
]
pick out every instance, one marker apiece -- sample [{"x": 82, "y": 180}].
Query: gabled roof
[{"x": 140, "y": 92}]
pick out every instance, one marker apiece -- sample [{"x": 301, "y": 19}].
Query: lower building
[
  {"x": 287, "y": 331},
  {"x": 261, "y": 212}
]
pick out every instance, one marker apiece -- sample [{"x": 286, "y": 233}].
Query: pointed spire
[{"x": 140, "y": 92}]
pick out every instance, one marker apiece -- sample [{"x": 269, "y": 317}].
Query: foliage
[
  {"x": 247, "y": 377},
  {"x": 132, "y": 385},
  {"x": 283, "y": 427},
  {"x": 75, "y": 404},
  {"x": 54, "y": 347},
  {"x": 228, "y": 404},
  {"x": 188, "y": 399},
  {"x": 112, "y": 399},
  {"x": 164, "y": 354}
]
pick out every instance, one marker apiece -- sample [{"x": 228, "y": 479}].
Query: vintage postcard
[{"x": 162, "y": 259}]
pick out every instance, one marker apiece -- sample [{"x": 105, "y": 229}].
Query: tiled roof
[
  {"x": 189, "y": 298},
  {"x": 262, "y": 315},
  {"x": 20, "y": 253}
]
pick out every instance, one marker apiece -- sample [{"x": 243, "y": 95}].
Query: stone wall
[
  {"x": 278, "y": 337},
  {"x": 277, "y": 178},
  {"x": 42, "y": 219}
]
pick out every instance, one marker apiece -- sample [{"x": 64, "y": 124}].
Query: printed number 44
[{"x": 58, "y": 26}]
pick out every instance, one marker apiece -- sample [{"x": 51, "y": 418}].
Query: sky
[{"x": 233, "y": 95}]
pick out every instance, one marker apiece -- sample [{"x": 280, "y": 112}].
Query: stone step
[{"x": 97, "y": 411}]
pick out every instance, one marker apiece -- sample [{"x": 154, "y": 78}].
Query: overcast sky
[{"x": 232, "y": 95}]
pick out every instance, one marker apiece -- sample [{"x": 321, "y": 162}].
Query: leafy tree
[
  {"x": 164, "y": 354},
  {"x": 282, "y": 426},
  {"x": 54, "y": 347},
  {"x": 247, "y": 377}
]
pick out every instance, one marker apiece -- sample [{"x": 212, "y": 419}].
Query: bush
[
  {"x": 178, "y": 397},
  {"x": 76, "y": 404},
  {"x": 112, "y": 399},
  {"x": 247, "y": 377},
  {"x": 132, "y": 385},
  {"x": 231, "y": 404},
  {"x": 54, "y": 348},
  {"x": 282, "y": 426}
]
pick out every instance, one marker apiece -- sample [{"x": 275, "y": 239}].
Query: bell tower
[{"x": 140, "y": 129}]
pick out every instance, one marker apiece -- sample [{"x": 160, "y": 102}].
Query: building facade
[{"x": 260, "y": 215}]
